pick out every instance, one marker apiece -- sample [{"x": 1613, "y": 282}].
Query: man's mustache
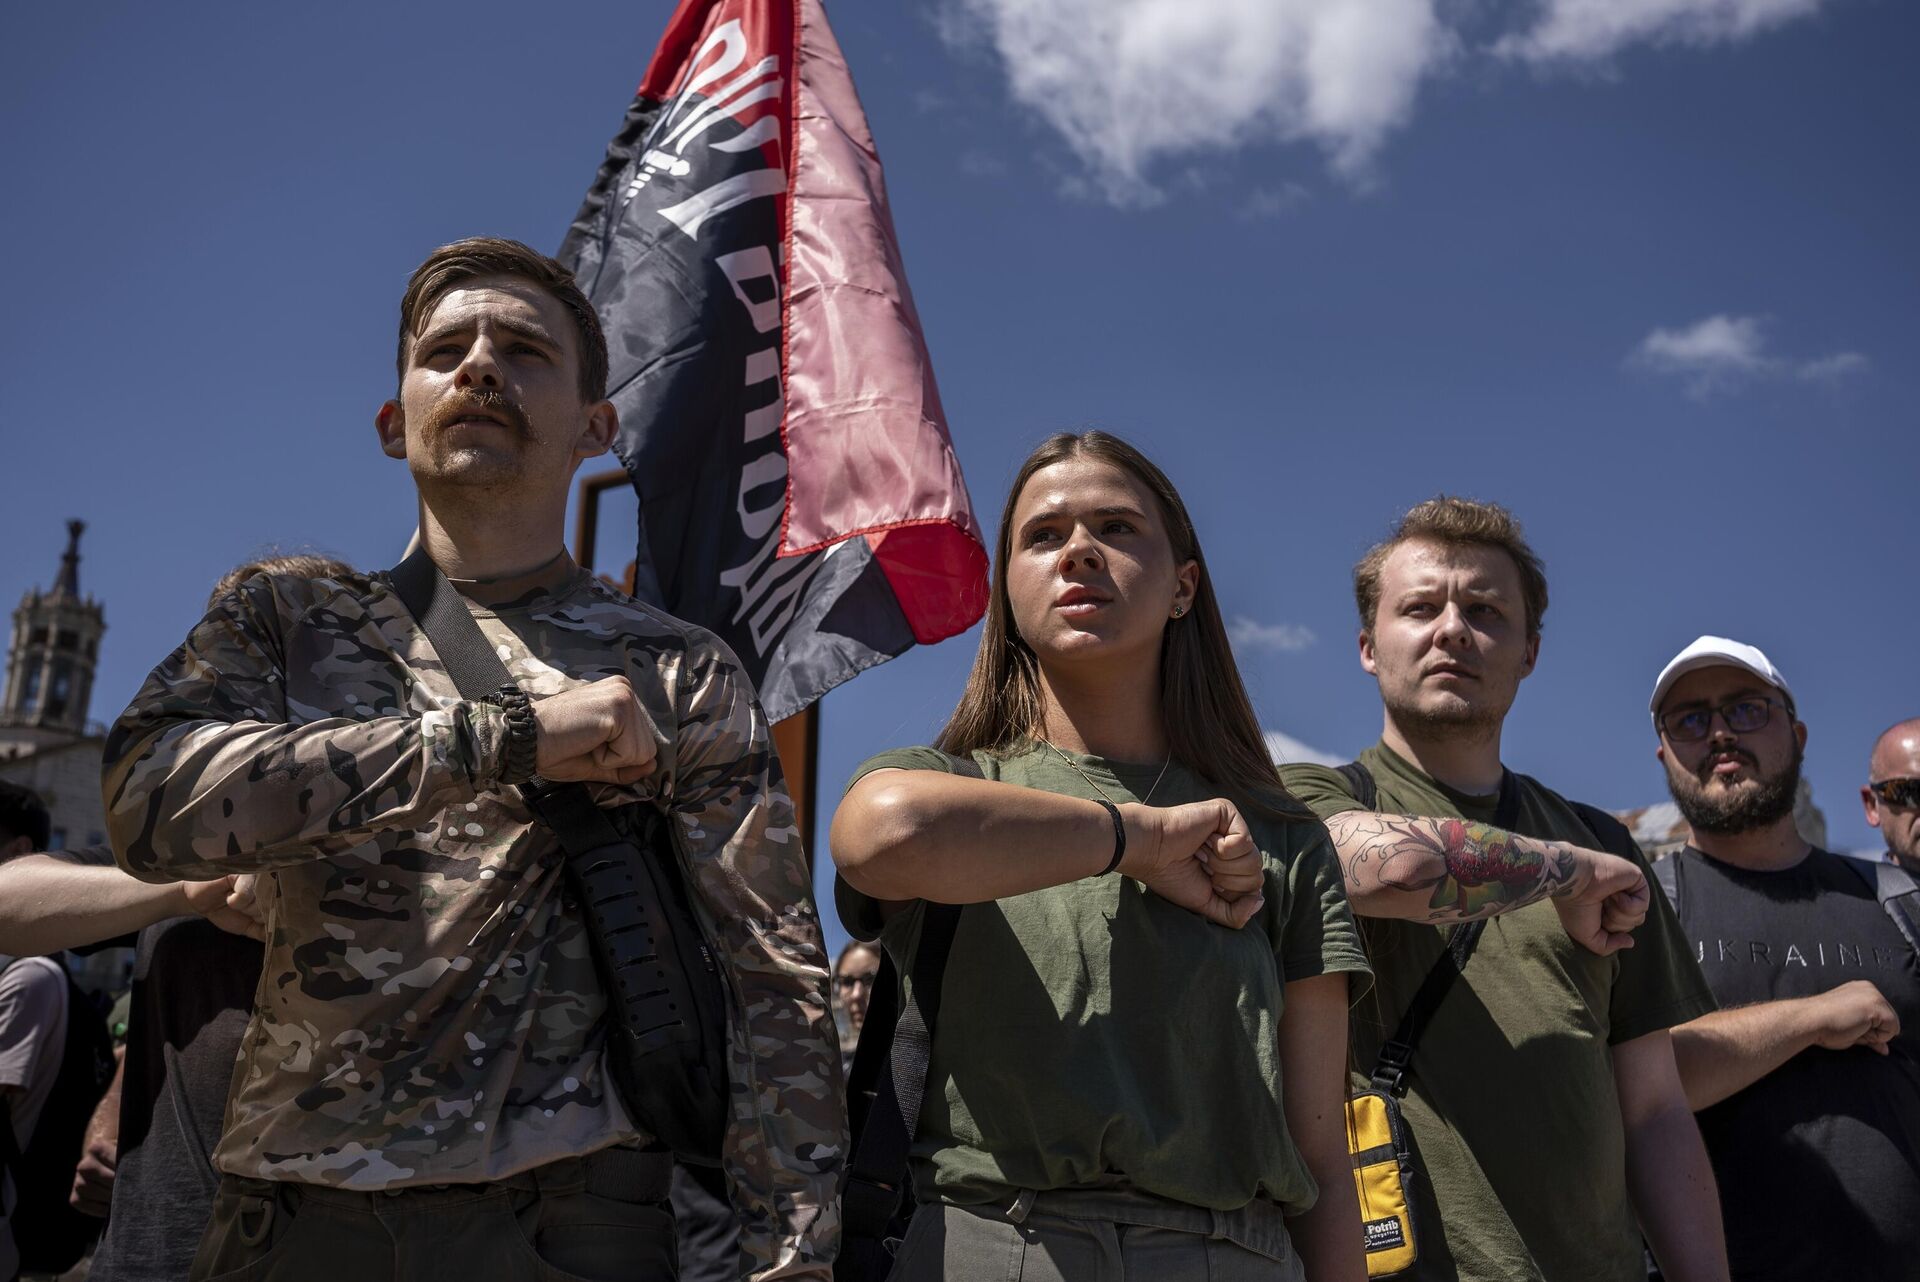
[{"x": 468, "y": 401}]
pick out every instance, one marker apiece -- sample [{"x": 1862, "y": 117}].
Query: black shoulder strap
[
  {"x": 568, "y": 809},
  {"x": 1614, "y": 837},
  {"x": 1360, "y": 783},
  {"x": 888, "y": 1082},
  {"x": 1390, "y": 1071}
]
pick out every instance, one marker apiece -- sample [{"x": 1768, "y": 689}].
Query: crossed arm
[{"x": 1453, "y": 870}]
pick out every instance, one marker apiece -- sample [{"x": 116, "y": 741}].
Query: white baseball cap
[{"x": 1716, "y": 652}]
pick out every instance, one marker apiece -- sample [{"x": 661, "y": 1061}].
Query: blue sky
[{"x": 1644, "y": 270}]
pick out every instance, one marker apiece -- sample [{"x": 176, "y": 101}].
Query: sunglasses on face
[
  {"x": 1897, "y": 792},
  {"x": 850, "y": 982},
  {"x": 1742, "y": 716}
]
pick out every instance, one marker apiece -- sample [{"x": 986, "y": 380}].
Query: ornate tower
[{"x": 50, "y": 661}]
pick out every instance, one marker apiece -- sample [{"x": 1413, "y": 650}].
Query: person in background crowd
[
  {"x": 422, "y": 1090},
  {"x": 1808, "y": 1078},
  {"x": 1546, "y": 1114},
  {"x": 197, "y": 958},
  {"x": 853, "y": 975},
  {"x": 1892, "y": 793},
  {"x": 33, "y": 1015}
]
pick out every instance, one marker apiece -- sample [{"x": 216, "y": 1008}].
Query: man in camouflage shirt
[{"x": 422, "y": 1091}]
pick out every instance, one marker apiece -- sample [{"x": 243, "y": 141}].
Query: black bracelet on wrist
[
  {"x": 1119, "y": 836},
  {"x": 523, "y": 733}
]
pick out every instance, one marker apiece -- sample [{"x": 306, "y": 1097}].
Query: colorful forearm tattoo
[{"x": 1472, "y": 869}]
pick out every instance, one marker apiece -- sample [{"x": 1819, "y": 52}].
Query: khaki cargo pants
[
  {"x": 1096, "y": 1237},
  {"x": 600, "y": 1218}
]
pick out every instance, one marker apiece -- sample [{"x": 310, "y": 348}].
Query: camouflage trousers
[
  {"x": 599, "y": 1218},
  {"x": 1113, "y": 1236}
]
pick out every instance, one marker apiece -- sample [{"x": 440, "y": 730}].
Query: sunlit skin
[
  {"x": 1449, "y": 647},
  {"x": 1092, "y": 582},
  {"x": 1727, "y": 763},
  {"x": 1896, "y": 756},
  {"x": 490, "y": 410}
]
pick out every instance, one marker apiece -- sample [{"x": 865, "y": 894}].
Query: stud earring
[{"x": 1179, "y": 610}]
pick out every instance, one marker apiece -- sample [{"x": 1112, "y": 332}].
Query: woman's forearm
[{"x": 921, "y": 834}]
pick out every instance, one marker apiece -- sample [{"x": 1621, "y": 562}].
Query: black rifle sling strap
[
  {"x": 646, "y": 966},
  {"x": 1390, "y": 1071},
  {"x": 889, "y": 1078}
]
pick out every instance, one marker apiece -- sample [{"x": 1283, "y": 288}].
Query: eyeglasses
[
  {"x": 1897, "y": 792},
  {"x": 850, "y": 982},
  {"x": 1742, "y": 716}
]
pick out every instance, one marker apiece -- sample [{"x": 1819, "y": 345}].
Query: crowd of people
[{"x": 370, "y": 1022}]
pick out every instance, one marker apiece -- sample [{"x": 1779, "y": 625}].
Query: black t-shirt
[
  {"x": 193, "y": 988},
  {"x": 1818, "y": 1162}
]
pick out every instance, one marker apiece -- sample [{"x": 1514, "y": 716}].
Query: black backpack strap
[
  {"x": 1614, "y": 837},
  {"x": 1360, "y": 783},
  {"x": 888, "y": 1083},
  {"x": 1899, "y": 897},
  {"x": 1396, "y": 1057}
]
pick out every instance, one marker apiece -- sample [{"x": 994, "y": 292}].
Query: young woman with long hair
[{"x": 1138, "y": 1068}]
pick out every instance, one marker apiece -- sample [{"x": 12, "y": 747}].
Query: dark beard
[{"x": 1745, "y": 809}]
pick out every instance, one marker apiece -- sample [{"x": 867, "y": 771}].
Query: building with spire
[{"x": 47, "y": 742}]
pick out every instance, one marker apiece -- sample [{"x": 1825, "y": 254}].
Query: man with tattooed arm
[{"x": 1545, "y": 1111}]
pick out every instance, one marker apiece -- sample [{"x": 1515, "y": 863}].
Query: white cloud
[
  {"x": 1129, "y": 82},
  {"x": 1247, "y": 634},
  {"x": 1285, "y": 749},
  {"x": 1586, "y": 30},
  {"x": 1722, "y": 352},
  {"x": 1827, "y": 369}
]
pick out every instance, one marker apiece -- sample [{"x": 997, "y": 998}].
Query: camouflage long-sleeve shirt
[{"x": 428, "y": 1012}]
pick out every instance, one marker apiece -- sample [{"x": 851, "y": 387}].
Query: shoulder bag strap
[
  {"x": 896, "y": 1075},
  {"x": 1360, "y": 783},
  {"x": 1390, "y": 1071},
  {"x": 477, "y": 672}
]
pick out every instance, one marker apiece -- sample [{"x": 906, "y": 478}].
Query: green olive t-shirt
[
  {"x": 1093, "y": 1035},
  {"x": 1511, "y": 1105}
]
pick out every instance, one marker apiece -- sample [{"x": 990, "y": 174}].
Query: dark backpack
[{"x": 50, "y": 1235}]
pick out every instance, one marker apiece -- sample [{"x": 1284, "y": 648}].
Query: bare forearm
[
  {"x": 1313, "y": 1067},
  {"x": 1729, "y": 1050},
  {"x": 47, "y": 904},
  {"x": 1672, "y": 1186},
  {"x": 924, "y": 835},
  {"x": 1444, "y": 870}
]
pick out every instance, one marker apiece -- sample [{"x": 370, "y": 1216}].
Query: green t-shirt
[
  {"x": 1511, "y": 1103},
  {"x": 1093, "y": 1035}
]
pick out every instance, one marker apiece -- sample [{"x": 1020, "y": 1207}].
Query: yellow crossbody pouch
[{"x": 1382, "y": 1173}]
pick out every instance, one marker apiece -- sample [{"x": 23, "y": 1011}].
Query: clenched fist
[
  {"x": 595, "y": 733},
  {"x": 1854, "y": 1014},
  {"x": 1605, "y": 901},
  {"x": 1199, "y": 856}
]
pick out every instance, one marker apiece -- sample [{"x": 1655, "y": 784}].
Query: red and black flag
[{"x": 799, "y": 494}]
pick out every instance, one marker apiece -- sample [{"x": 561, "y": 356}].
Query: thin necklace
[
  {"x": 1095, "y": 783},
  {"x": 521, "y": 574}
]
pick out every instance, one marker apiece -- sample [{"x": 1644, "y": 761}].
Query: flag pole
[{"x": 796, "y": 738}]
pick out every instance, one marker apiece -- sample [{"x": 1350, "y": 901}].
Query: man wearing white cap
[{"x": 1807, "y": 1080}]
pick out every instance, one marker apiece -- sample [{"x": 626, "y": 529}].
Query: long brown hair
[{"x": 1209, "y": 721}]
